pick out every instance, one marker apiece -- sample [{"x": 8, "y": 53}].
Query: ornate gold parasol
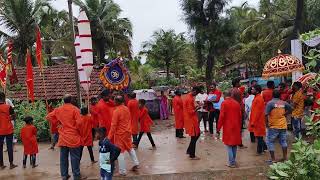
[
  {"x": 307, "y": 78},
  {"x": 283, "y": 64}
]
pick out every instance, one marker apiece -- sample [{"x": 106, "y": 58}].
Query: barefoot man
[
  {"x": 120, "y": 132},
  {"x": 191, "y": 121}
]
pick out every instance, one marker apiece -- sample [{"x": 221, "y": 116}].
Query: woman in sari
[{"x": 164, "y": 113}]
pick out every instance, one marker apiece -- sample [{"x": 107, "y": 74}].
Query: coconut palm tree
[
  {"x": 204, "y": 17},
  {"x": 19, "y": 19},
  {"x": 166, "y": 47},
  {"x": 56, "y": 33},
  {"x": 109, "y": 32}
]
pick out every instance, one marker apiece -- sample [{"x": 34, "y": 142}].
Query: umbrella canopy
[
  {"x": 305, "y": 79},
  {"x": 282, "y": 64}
]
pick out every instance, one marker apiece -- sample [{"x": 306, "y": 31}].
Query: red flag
[
  {"x": 39, "y": 48},
  {"x": 11, "y": 70},
  {"x": 29, "y": 79}
]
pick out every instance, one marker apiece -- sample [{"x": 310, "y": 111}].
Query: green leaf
[
  {"x": 274, "y": 177},
  {"x": 281, "y": 173}
]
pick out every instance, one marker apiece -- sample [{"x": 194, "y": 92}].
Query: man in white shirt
[
  {"x": 248, "y": 104},
  {"x": 203, "y": 114}
]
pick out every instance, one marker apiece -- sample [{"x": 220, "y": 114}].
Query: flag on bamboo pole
[
  {"x": 39, "y": 48},
  {"x": 3, "y": 73},
  {"x": 11, "y": 72},
  {"x": 29, "y": 78}
]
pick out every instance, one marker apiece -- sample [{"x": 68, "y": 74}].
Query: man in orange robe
[
  {"x": 133, "y": 106},
  {"x": 178, "y": 114},
  {"x": 191, "y": 124},
  {"x": 231, "y": 122},
  {"x": 257, "y": 118},
  {"x": 120, "y": 131},
  {"x": 94, "y": 114},
  {"x": 69, "y": 120},
  {"x": 237, "y": 95},
  {"x": 86, "y": 132},
  {"x": 6, "y": 130},
  {"x": 105, "y": 109},
  {"x": 267, "y": 94}
]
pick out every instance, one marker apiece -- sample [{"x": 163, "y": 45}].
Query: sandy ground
[{"x": 170, "y": 157}]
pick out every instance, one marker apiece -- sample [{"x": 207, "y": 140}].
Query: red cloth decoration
[
  {"x": 11, "y": 70},
  {"x": 29, "y": 79}
]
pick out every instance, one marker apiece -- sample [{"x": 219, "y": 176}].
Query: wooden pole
[
  {"x": 74, "y": 53},
  {"x": 44, "y": 87}
]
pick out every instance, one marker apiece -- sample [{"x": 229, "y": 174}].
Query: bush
[
  {"x": 139, "y": 85},
  {"x": 165, "y": 82},
  {"x": 38, "y": 112}
]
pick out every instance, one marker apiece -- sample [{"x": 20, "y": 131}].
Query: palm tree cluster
[{"x": 18, "y": 18}]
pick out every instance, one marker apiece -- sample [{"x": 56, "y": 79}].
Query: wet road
[{"x": 169, "y": 157}]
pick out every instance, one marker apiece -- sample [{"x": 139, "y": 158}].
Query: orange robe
[
  {"x": 267, "y": 95},
  {"x": 6, "y": 126},
  {"x": 178, "y": 111},
  {"x": 69, "y": 120},
  {"x": 86, "y": 130},
  {"x": 145, "y": 120},
  {"x": 133, "y": 106},
  {"x": 257, "y": 122},
  {"x": 105, "y": 112},
  {"x": 95, "y": 116},
  {"x": 231, "y": 122},
  {"x": 191, "y": 124},
  {"x": 28, "y": 136},
  {"x": 120, "y": 130}
]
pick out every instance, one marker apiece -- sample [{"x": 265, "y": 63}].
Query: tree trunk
[
  {"x": 299, "y": 19},
  {"x": 22, "y": 56},
  {"x": 210, "y": 64},
  {"x": 168, "y": 70},
  {"x": 101, "y": 51},
  {"x": 48, "y": 51}
]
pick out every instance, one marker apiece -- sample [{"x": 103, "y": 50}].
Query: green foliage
[
  {"x": 165, "y": 82},
  {"x": 167, "y": 47},
  {"x": 304, "y": 161},
  {"x": 139, "y": 85},
  {"x": 19, "y": 18},
  {"x": 309, "y": 35},
  {"x": 225, "y": 85},
  {"x": 110, "y": 32},
  {"x": 38, "y": 112}
]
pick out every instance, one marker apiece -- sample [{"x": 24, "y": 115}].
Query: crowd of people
[
  {"x": 119, "y": 121},
  {"x": 265, "y": 113}
]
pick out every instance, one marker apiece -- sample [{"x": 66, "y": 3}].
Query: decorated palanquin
[
  {"x": 115, "y": 75},
  {"x": 283, "y": 64}
]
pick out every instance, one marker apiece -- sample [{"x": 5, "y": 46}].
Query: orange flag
[
  {"x": 39, "y": 48},
  {"x": 29, "y": 79}
]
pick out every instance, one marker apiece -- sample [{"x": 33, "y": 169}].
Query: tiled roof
[{"x": 59, "y": 80}]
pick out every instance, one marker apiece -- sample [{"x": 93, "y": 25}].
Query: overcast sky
[{"x": 148, "y": 16}]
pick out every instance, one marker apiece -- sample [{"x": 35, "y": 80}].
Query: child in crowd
[
  {"x": 29, "y": 140},
  {"x": 86, "y": 132},
  {"x": 108, "y": 154},
  {"x": 54, "y": 134},
  {"x": 145, "y": 123}
]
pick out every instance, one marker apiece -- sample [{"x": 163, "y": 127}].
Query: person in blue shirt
[{"x": 108, "y": 153}]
